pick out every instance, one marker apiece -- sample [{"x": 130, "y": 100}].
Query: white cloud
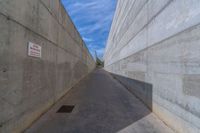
[
  {"x": 87, "y": 39},
  {"x": 93, "y": 20}
]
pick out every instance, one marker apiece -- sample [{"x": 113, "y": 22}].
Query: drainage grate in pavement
[{"x": 66, "y": 109}]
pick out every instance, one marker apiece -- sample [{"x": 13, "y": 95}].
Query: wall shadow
[
  {"x": 141, "y": 90},
  {"x": 101, "y": 106}
]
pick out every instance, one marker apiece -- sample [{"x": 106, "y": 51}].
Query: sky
[{"x": 93, "y": 19}]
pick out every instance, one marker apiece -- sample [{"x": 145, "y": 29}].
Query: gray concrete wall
[
  {"x": 157, "y": 42},
  {"x": 29, "y": 86}
]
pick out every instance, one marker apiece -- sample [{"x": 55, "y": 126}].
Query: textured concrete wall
[
  {"x": 29, "y": 86},
  {"x": 158, "y": 42}
]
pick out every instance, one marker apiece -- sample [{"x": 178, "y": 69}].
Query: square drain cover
[{"x": 66, "y": 109}]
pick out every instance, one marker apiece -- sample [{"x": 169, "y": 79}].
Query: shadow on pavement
[
  {"x": 141, "y": 90},
  {"x": 102, "y": 105}
]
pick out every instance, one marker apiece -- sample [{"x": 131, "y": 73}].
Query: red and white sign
[{"x": 34, "y": 50}]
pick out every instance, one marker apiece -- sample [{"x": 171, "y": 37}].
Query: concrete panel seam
[
  {"x": 192, "y": 27},
  {"x": 117, "y": 17},
  {"x": 11, "y": 19},
  {"x": 133, "y": 20},
  {"x": 77, "y": 32},
  {"x": 143, "y": 26},
  {"x": 174, "y": 113},
  {"x": 83, "y": 43},
  {"x": 125, "y": 21},
  {"x": 61, "y": 24}
]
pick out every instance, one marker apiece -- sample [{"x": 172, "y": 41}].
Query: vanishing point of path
[{"x": 102, "y": 105}]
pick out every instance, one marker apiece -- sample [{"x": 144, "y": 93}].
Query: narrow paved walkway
[{"x": 102, "y": 105}]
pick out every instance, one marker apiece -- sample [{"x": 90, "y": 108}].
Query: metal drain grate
[{"x": 66, "y": 109}]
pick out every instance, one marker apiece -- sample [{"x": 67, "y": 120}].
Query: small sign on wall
[{"x": 34, "y": 50}]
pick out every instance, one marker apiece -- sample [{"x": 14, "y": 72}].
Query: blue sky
[{"x": 93, "y": 20}]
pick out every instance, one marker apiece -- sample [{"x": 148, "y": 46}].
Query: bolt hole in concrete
[
  {"x": 66, "y": 109},
  {"x": 4, "y": 70}
]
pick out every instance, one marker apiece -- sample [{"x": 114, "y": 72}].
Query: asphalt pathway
[{"x": 101, "y": 105}]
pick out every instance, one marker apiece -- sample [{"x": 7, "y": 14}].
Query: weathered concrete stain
[
  {"x": 29, "y": 86},
  {"x": 158, "y": 42},
  {"x": 79, "y": 68},
  {"x": 191, "y": 85}
]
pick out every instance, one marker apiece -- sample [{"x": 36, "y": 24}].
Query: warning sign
[{"x": 34, "y": 50}]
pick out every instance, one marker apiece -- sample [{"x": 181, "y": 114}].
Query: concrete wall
[
  {"x": 158, "y": 42},
  {"x": 29, "y": 86}
]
